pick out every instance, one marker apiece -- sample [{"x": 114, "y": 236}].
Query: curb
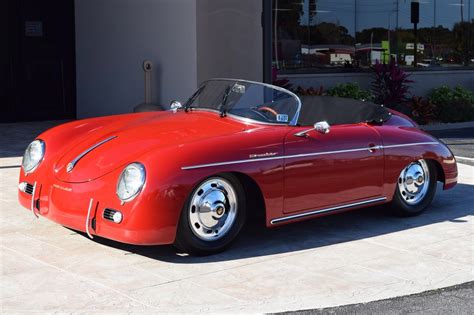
[
  {"x": 465, "y": 160},
  {"x": 448, "y": 126}
]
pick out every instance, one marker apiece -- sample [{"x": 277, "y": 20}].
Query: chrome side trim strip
[
  {"x": 231, "y": 162},
  {"x": 33, "y": 201},
  {"x": 307, "y": 214},
  {"x": 272, "y": 158},
  {"x": 302, "y": 155},
  {"x": 407, "y": 144},
  {"x": 88, "y": 218},
  {"x": 73, "y": 163}
]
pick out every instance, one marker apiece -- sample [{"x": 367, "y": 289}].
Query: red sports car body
[{"x": 296, "y": 171}]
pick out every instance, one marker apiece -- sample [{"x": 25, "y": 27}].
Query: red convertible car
[{"x": 191, "y": 175}]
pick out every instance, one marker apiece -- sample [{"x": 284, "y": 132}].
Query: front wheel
[
  {"x": 415, "y": 189},
  {"x": 212, "y": 217}
]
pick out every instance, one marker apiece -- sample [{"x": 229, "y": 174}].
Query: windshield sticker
[
  {"x": 238, "y": 88},
  {"x": 282, "y": 118}
]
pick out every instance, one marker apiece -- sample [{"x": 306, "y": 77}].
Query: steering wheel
[{"x": 268, "y": 109}]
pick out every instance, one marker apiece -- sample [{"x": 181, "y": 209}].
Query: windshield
[{"x": 245, "y": 99}]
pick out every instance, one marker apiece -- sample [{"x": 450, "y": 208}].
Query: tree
[
  {"x": 379, "y": 34},
  {"x": 463, "y": 44},
  {"x": 330, "y": 33}
]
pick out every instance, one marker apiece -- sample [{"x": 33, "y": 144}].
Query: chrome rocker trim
[
  {"x": 371, "y": 149},
  {"x": 307, "y": 214}
]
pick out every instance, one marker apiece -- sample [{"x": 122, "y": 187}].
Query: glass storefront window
[{"x": 328, "y": 35}]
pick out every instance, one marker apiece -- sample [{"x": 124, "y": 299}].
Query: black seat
[{"x": 338, "y": 111}]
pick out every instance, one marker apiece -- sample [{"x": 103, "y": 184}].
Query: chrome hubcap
[
  {"x": 213, "y": 209},
  {"x": 413, "y": 182}
]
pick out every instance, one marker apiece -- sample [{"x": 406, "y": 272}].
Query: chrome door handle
[{"x": 373, "y": 148}]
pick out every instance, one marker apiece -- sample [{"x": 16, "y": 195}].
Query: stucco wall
[
  {"x": 229, "y": 39},
  {"x": 424, "y": 81},
  {"x": 113, "y": 37}
]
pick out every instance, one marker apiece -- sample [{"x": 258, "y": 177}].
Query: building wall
[
  {"x": 229, "y": 39},
  {"x": 113, "y": 37},
  {"x": 4, "y": 52},
  {"x": 424, "y": 81}
]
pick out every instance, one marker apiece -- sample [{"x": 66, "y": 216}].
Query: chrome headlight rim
[
  {"x": 142, "y": 170},
  {"x": 37, "y": 163}
]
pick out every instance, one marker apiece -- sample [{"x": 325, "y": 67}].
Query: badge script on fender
[
  {"x": 61, "y": 187},
  {"x": 262, "y": 155}
]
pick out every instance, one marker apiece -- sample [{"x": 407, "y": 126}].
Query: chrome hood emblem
[
  {"x": 69, "y": 167},
  {"x": 73, "y": 163}
]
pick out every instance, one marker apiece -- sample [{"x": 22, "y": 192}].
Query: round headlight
[
  {"x": 131, "y": 181},
  {"x": 33, "y": 156}
]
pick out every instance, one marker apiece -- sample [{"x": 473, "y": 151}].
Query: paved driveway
[{"x": 354, "y": 257}]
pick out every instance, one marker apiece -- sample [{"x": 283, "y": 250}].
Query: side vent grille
[
  {"x": 109, "y": 214},
  {"x": 29, "y": 189}
]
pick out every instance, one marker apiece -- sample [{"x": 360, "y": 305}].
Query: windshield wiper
[
  {"x": 223, "y": 109},
  {"x": 191, "y": 100}
]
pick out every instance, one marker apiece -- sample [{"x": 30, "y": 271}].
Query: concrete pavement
[{"x": 356, "y": 257}]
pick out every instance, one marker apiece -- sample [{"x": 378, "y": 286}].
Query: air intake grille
[
  {"x": 29, "y": 189},
  {"x": 109, "y": 214}
]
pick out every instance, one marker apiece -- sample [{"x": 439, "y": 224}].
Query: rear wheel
[
  {"x": 415, "y": 189},
  {"x": 212, "y": 217}
]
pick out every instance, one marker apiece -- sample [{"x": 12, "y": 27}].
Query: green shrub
[
  {"x": 453, "y": 105},
  {"x": 458, "y": 110},
  {"x": 350, "y": 90},
  {"x": 445, "y": 94}
]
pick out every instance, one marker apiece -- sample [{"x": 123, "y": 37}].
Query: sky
[{"x": 383, "y": 13}]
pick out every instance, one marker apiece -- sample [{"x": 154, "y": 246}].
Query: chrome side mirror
[
  {"x": 175, "y": 106},
  {"x": 321, "y": 127}
]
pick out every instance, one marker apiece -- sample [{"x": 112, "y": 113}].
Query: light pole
[
  {"x": 275, "y": 33},
  {"x": 433, "y": 40},
  {"x": 355, "y": 20},
  {"x": 390, "y": 13},
  {"x": 469, "y": 36},
  {"x": 415, "y": 19},
  {"x": 396, "y": 29}
]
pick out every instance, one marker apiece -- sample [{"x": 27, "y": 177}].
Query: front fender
[{"x": 175, "y": 171}]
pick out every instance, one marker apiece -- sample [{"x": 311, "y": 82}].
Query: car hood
[{"x": 120, "y": 142}]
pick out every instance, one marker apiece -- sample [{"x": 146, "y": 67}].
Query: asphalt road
[
  {"x": 458, "y": 299},
  {"x": 460, "y": 141}
]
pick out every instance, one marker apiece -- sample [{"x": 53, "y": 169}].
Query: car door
[{"x": 323, "y": 170}]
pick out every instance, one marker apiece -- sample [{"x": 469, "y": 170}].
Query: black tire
[
  {"x": 186, "y": 239},
  {"x": 401, "y": 207}
]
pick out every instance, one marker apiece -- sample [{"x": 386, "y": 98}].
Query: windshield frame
[{"x": 293, "y": 121}]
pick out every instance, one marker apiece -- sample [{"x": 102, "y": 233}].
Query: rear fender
[{"x": 403, "y": 145}]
